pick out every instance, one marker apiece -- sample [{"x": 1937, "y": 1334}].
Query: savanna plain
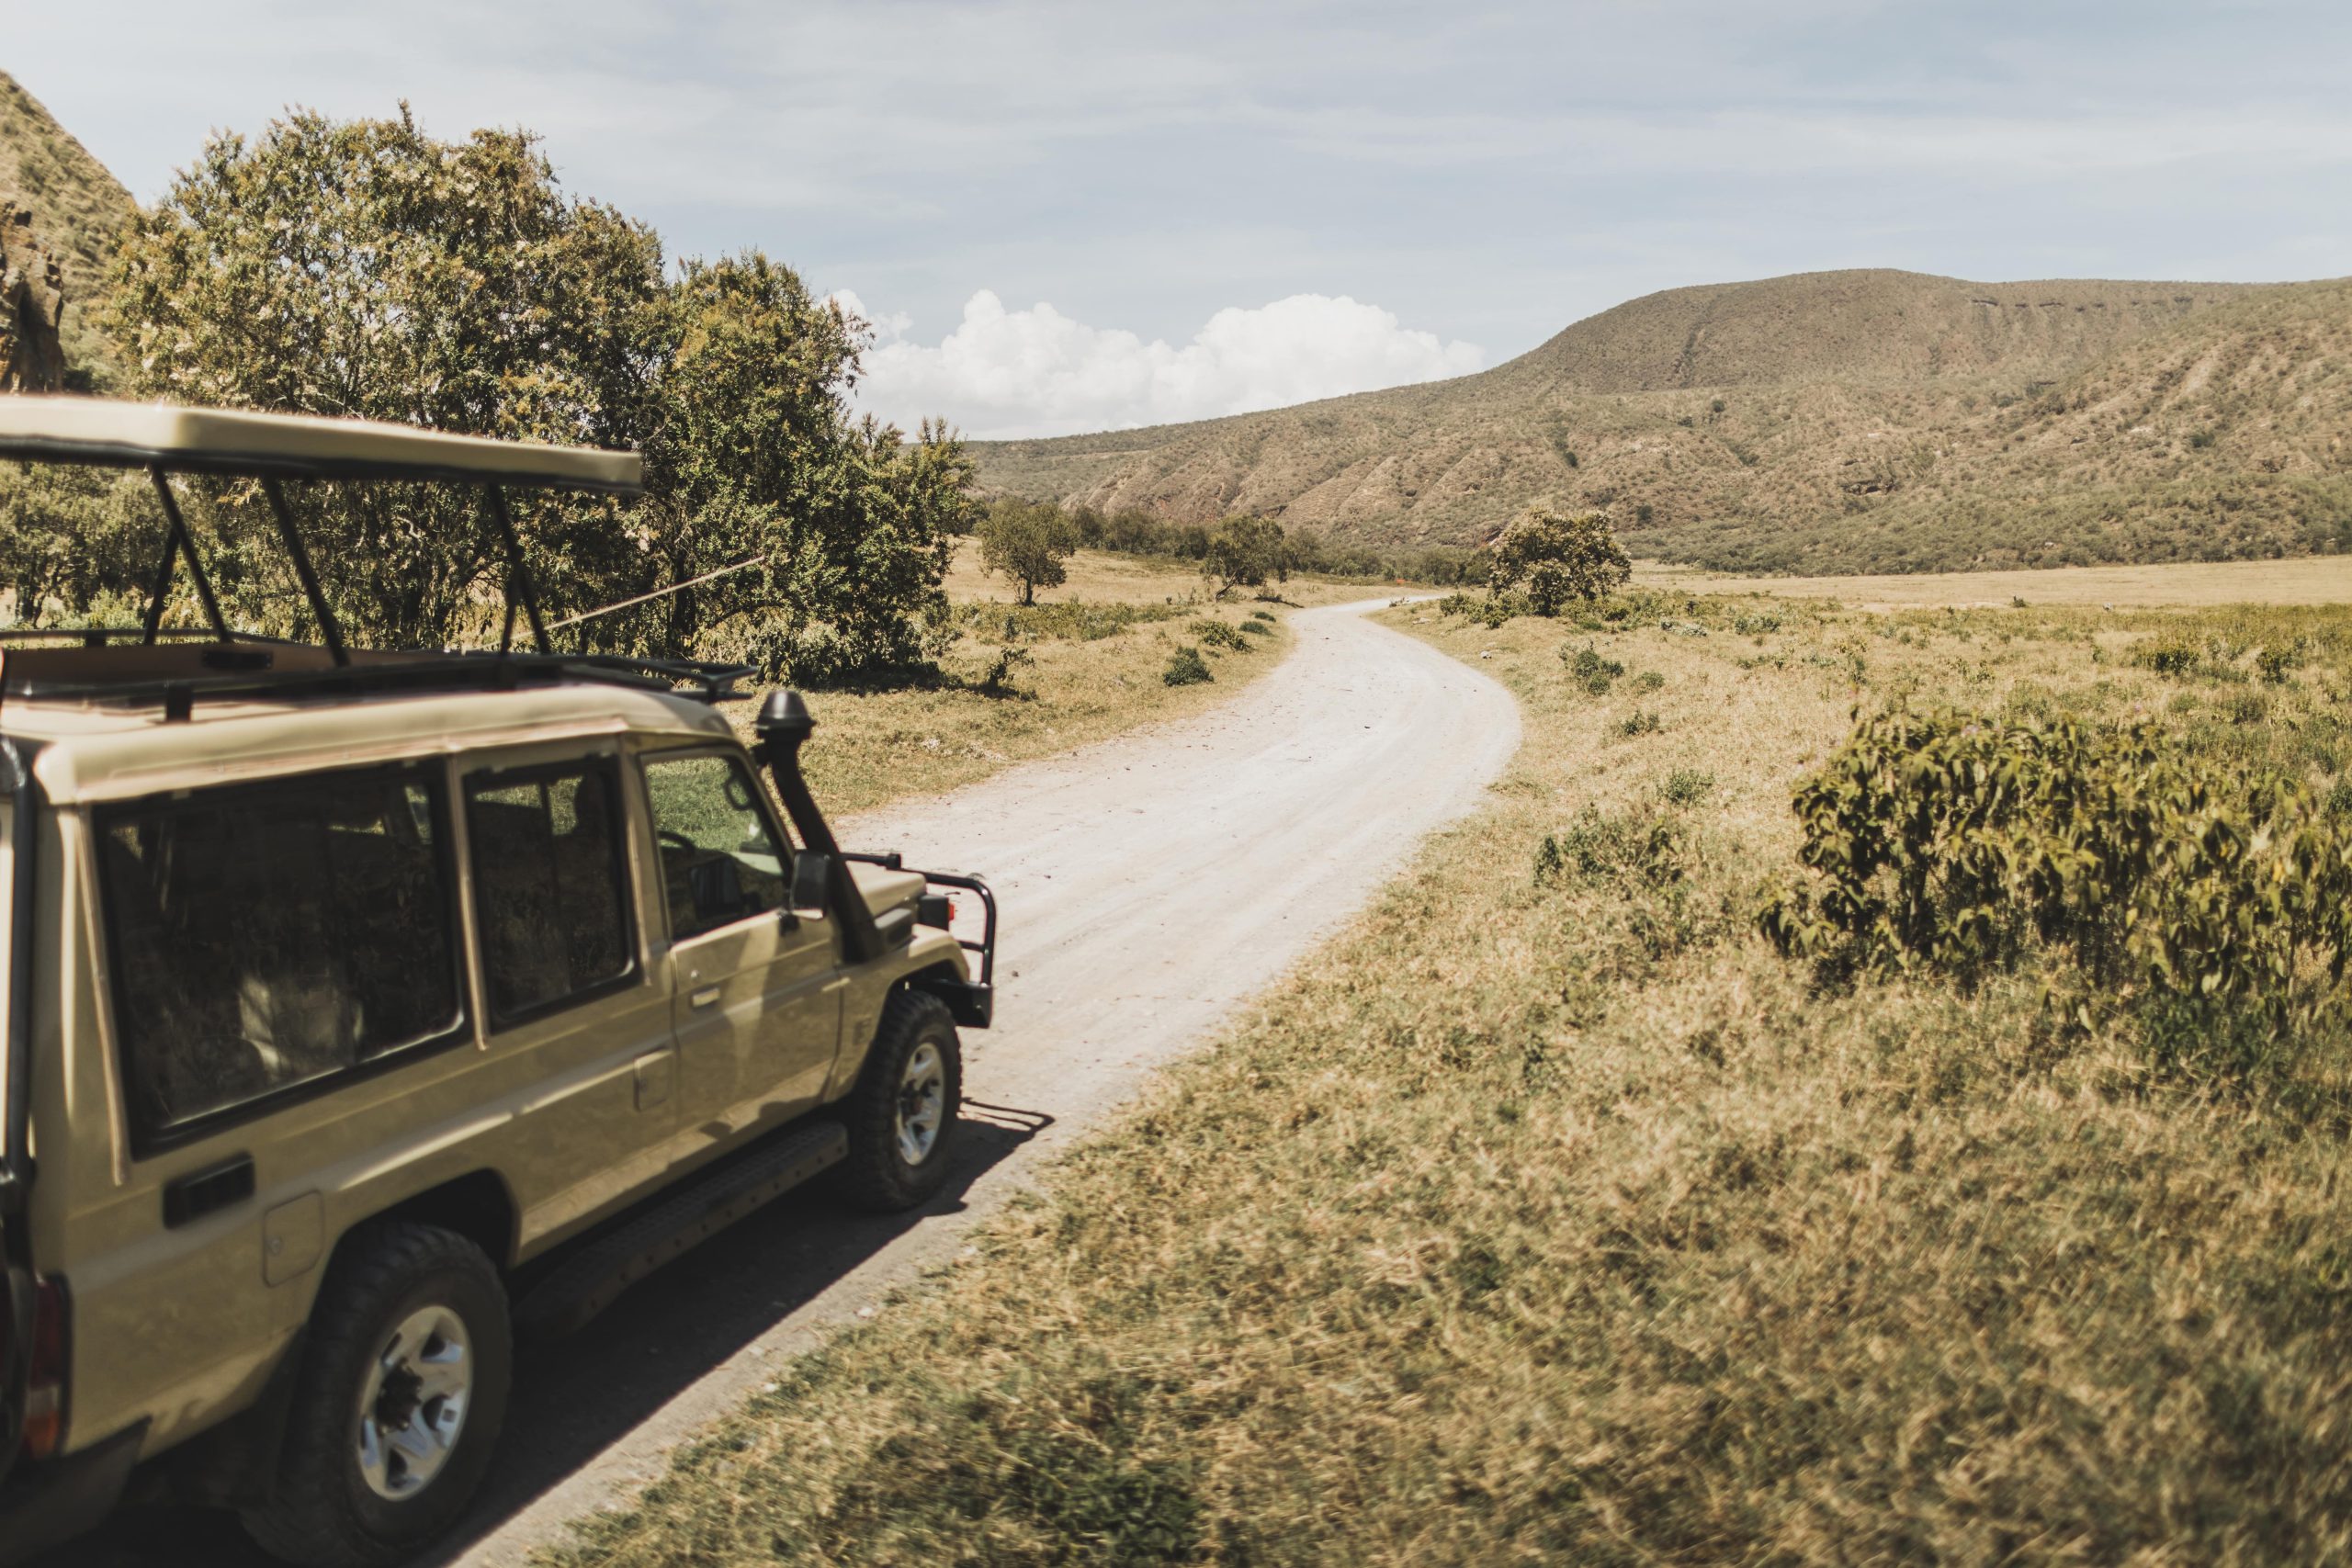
[{"x": 1558, "y": 1211}]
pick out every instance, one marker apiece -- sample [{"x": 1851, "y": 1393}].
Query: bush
[
  {"x": 2169, "y": 656},
  {"x": 1649, "y": 681},
  {"x": 1628, "y": 849},
  {"x": 1186, "y": 668},
  {"x": 1687, "y": 786},
  {"x": 2166, "y": 881},
  {"x": 1589, "y": 669},
  {"x": 1641, "y": 721},
  {"x": 1217, "y": 634}
]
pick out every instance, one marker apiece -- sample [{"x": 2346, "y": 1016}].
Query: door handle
[{"x": 704, "y": 997}]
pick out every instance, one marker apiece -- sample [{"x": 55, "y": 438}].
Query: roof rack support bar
[
  {"x": 328, "y": 626},
  {"x": 518, "y": 572},
  {"x": 179, "y": 542}
]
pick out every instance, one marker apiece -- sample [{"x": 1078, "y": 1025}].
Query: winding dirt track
[{"x": 1148, "y": 885}]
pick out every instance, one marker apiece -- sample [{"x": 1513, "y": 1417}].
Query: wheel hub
[
  {"x": 923, "y": 1103},
  {"x": 413, "y": 1408}
]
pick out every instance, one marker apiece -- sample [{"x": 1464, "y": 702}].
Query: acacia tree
[
  {"x": 1558, "y": 557},
  {"x": 366, "y": 269},
  {"x": 1029, "y": 542},
  {"x": 1244, "y": 552}
]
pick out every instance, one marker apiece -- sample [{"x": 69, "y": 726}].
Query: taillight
[{"x": 45, "y": 1383}]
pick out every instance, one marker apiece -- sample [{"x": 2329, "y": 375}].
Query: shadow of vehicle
[{"x": 575, "y": 1396}]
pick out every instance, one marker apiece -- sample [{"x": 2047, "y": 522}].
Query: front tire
[
  {"x": 901, "y": 1115},
  {"x": 398, "y": 1402}
]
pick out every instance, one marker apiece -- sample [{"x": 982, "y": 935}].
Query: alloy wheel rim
[
  {"x": 414, "y": 1404},
  {"x": 923, "y": 1103}
]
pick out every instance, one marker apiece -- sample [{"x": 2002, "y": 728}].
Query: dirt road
[{"x": 1148, "y": 885}]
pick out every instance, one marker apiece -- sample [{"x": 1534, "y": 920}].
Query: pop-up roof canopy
[
  {"x": 272, "y": 448},
  {"x": 279, "y": 445}
]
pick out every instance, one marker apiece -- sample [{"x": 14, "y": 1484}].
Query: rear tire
[
  {"x": 397, "y": 1404},
  {"x": 901, "y": 1115}
]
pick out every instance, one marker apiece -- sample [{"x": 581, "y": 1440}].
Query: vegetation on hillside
[
  {"x": 1839, "y": 421},
  {"x": 1551, "y": 1213},
  {"x": 78, "y": 209}
]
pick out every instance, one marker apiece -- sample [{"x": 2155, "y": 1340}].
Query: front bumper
[
  {"x": 972, "y": 1001},
  {"x": 44, "y": 1505}
]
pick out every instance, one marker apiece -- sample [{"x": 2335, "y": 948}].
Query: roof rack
[
  {"x": 240, "y": 443},
  {"x": 274, "y": 447},
  {"x": 245, "y": 673}
]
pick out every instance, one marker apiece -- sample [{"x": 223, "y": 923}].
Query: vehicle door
[
  {"x": 578, "y": 1018},
  {"x": 757, "y": 995}
]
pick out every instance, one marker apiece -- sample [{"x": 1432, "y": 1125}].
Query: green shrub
[
  {"x": 2169, "y": 656},
  {"x": 1266, "y": 616},
  {"x": 1186, "y": 668},
  {"x": 2168, "y": 882},
  {"x": 1649, "y": 681},
  {"x": 1589, "y": 669},
  {"x": 1629, "y": 849},
  {"x": 1217, "y": 634},
  {"x": 2274, "y": 663},
  {"x": 1687, "y": 786},
  {"x": 1641, "y": 721}
]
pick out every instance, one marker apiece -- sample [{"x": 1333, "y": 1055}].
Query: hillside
[
  {"x": 75, "y": 204},
  {"x": 1828, "y": 421}
]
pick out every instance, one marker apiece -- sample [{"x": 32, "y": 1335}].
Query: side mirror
[{"x": 812, "y": 881}]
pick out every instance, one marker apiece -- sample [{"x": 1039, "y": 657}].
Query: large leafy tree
[
  {"x": 814, "y": 541},
  {"x": 1029, "y": 542},
  {"x": 1557, "y": 558},
  {"x": 366, "y": 269},
  {"x": 1244, "y": 552}
]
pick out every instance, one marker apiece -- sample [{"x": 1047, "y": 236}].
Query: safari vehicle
[{"x": 365, "y": 1008}]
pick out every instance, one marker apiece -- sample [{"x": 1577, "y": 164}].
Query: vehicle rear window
[
  {"x": 268, "y": 936},
  {"x": 550, "y": 884}
]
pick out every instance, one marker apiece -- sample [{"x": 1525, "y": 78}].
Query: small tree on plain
[
  {"x": 1029, "y": 542},
  {"x": 1557, "y": 558},
  {"x": 1244, "y": 552}
]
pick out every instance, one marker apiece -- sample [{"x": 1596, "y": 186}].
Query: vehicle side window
[
  {"x": 720, "y": 861},
  {"x": 550, "y": 884},
  {"x": 265, "y": 936}
]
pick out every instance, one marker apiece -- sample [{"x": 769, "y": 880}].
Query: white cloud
[{"x": 1037, "y": 372}]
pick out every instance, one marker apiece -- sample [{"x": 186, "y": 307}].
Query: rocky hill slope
[
  {"x": 75, "y": 208},
  {"x": 1845, "y": 421}
]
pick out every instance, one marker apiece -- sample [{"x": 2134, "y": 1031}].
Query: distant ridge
[
  {"x": 77, "y": 206},
  {"x": 1835, "y": 421}
]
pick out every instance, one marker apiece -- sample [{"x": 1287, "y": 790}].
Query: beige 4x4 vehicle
[{"x": 360, "y": 1006}]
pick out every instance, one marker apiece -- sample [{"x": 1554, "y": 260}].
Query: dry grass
[
  {"x": 871, "y": 747},
  {"x": 2316, "y": 579},
  {"x": 1549, "y": 1216}
]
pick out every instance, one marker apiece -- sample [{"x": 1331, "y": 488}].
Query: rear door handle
[
  {"x": 704, "y": 997},
  {"x": 201, "y": 1193}
]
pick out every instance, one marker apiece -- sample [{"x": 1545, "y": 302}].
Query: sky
[{"x": 1073, "y": 217}]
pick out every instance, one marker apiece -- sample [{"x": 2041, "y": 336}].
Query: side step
[{"x": 591, "y": 1279}]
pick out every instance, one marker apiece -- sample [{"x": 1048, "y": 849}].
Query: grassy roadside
[
  {"x": 1089, "y": 660},
  {"x": 1550, "y": 1214}
]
